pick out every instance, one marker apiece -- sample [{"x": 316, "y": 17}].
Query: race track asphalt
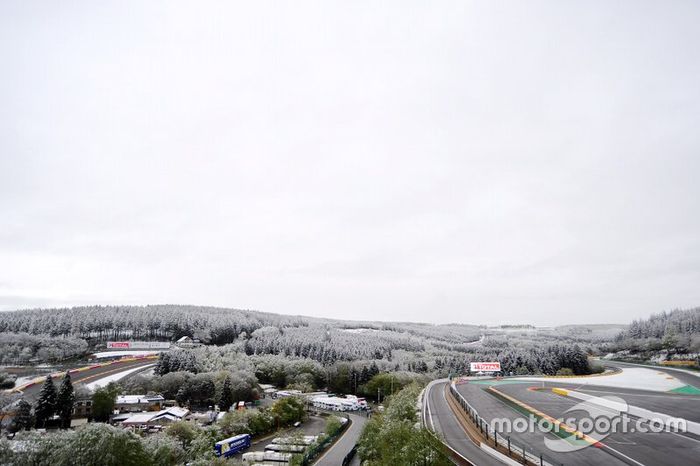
[
  {"x": 90, "y": 375},
  {"x": 628, "y": 447}
]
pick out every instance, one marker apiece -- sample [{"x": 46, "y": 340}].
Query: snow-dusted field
[
  {"x": 637, "y": 377},
  {"x": 114, "y": 377},
  {"x": 26, "y": 379},
  {"x": 111, "y": 354},
  {"x": 675, "y": 369}
]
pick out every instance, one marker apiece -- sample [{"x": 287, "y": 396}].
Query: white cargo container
[
  {"x": 334, "y": 403},
  {"x": 305, "y": 440},
  {"x": 267, "y": 457},
  {"x": 289, "y": 448}
]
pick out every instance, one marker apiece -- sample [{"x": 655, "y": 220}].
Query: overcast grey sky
[{"x": 476, "y": 162}]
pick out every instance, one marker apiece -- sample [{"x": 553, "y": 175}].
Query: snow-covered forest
[
  {"x": 677, "y": 331},
  {"x": 312, "y": 353},
  {"x": 22, "y": 348},
  {"x": 250, "y": 347},
  {"x": 162, "y": 322},
  {"x": 678, "y": 322},
  {"x": 288, "y": 351}
]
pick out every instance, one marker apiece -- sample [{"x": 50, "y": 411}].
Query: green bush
[
  {"x": 333, "y": 426},
  {"x": 183, "y": 432},
  {"x": 391, "y": 438},
  {"x": 7, "y": 380},
  {"x": 96, "y": 443},
  {"x": 164, "y": 450},
  {"x": 288, "y": 410},
  {"x": 103, "y": 402}
]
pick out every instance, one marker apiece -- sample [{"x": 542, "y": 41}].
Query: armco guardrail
[
  {"x": 495, "y": 439},
  {"x": 316, "y": 449},
  {"x": 348, "y": 458}
]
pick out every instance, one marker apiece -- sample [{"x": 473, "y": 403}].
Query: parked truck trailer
[{"x": 232, "y": 445}]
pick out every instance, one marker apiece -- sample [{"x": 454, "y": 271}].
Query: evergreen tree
[
  {"x": 46, "y": 404},
  {"x": 226, "y": 398},
  {"x": 65, "y": 401},
  {"x": 438, "y": 364},
  {"x": 190, "y": 364},
  {"x": 364, "y": 375},
  {"x": 373, "y": 369},
  {"x": 23, "y": 419},
  {"x": 163, "y": 364},
  {"x": 352, "y": 379}
]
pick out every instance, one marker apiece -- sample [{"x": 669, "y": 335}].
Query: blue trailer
[{"x": 232, "y": 445}]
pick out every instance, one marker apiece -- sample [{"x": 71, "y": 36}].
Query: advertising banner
[
  {"x": 141, "y": 345},
  {"x": 485, "y": 366}
]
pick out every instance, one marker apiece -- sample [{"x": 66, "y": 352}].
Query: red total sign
[
  {"x": 485, "y": 366},
  {"x": 118, "y": 344}
]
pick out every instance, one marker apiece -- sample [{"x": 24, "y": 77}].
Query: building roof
[
  {"x": 177, "y": 411},
  {"x": 171, "y": 414},
  {"x": 288, "y": 392},
  {"x": 138, "y": 399},
  {"x": 165, "y": 417},
  {"x": 184, "y": 339},
  {"x": 140, "y": 418}
]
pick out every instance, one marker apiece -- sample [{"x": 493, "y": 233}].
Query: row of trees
[
  {"x": 23, "y": 348},
  {"x": 208, "y": 388},
  {"x": 351, "y": 377},
  {"x": 160, "y": 322},
  {"x": 329, "y": 345},
  {"x": 50, "y": 402},
  {"x": 678, "y": 322},
  {"x": 245, "y": 337},
  {"x": 198, "y": 390},
  {"x": 675, "y": 332},
  {"x": 220, "y": 326},
  {"x": 174, "y": 361},
  {"x": 209, "y": 324}
]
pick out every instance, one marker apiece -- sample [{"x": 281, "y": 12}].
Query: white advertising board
[
  {"x": 485, "y": 366},
  {"x": 138, "y": 344}
]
